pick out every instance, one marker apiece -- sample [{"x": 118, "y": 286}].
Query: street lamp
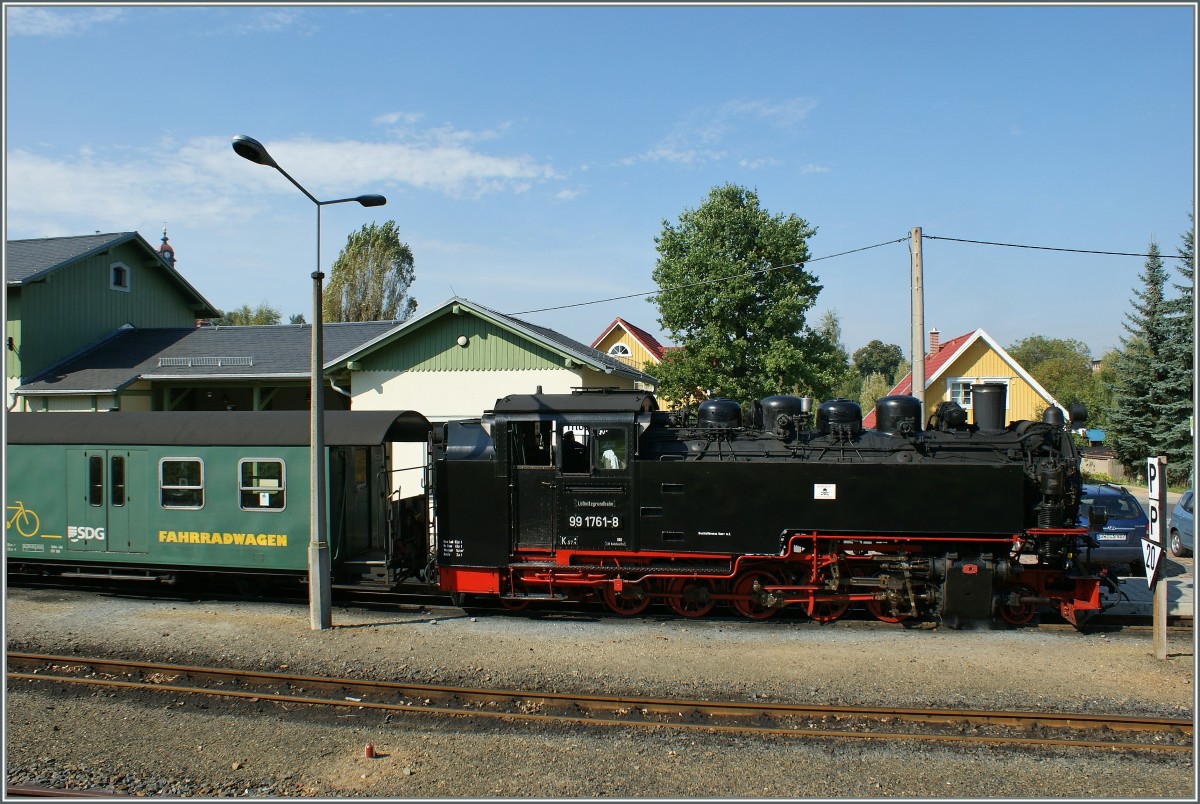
[{"x": 318, "y": 547}]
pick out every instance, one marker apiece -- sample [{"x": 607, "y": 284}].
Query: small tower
[{"x": 166, "y": 250}]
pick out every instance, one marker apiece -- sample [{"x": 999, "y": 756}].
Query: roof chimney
[{"x": 935, "y": 341}]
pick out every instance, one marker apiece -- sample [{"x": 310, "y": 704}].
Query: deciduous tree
[
  {"x": 369, "y": 280},
  {"x": 245, "y": 315},
  {"x": 878, "y": 357},
  {"x": 734, "y": 295}
]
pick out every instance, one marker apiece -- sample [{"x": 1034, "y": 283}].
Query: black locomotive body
[{"x": 599, "y": 493}]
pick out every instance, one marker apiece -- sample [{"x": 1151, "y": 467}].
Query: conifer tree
[
  {"x": 1140, "y": 369},
  {"x": 1173, "y": 395}
]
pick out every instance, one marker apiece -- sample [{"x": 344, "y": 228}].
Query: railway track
[{"x": 1086, "y": 730}]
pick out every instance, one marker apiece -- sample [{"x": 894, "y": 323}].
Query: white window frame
[
  {"x": 281, "y": 489},
  {"x": 953, "y": 382},
  {"x": 112, "y": 276},
  {"x": 165, "y": 487},
  {"x": 619, "y": 350}
]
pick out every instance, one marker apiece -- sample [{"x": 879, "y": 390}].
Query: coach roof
[{"x": 215, "y": 428}]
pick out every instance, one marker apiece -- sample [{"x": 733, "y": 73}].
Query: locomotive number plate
[{"x": 593, "y": 521}]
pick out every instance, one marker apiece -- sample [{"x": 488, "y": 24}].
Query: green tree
[
  {"x": 369, "y": 280},
  {"x": 1172, "y": 395},
  {"x": 874, "y": 387},
  {"x": 878, "y": 357},
  {"x": 1139, "y": 368},
  {"x": 1063, "y": 366},
  {"x": 734, "y": 295},
  {"x": 245, "y": 315}
]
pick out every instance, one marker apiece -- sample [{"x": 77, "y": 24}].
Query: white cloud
[
  {"x": 25, "y": 21},
  {"x": 202, "y": 178},
  {"x": 711, "y": 134},
  {"x": 808, "y": 168}
]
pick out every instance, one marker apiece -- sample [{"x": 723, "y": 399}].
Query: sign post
[{"x": 1156, "y": 480}]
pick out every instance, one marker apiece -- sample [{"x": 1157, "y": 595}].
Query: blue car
[
  {"x": 1183, "y": 532},
  {"x": 1119, "y": 540}
]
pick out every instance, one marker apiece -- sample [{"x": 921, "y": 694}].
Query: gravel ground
[{"x": 155, "y": 745}]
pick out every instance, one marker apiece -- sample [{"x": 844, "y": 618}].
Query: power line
[
  {"x": 840, "y": 254},
  {"x": 709, "y": 281},
  {"x": 1052, "y": 248}
]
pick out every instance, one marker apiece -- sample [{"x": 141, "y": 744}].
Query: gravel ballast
[{"x": 163, "y": 745}]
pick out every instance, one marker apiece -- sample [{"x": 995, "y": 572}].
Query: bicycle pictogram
[{"x": 26, "y": 521}]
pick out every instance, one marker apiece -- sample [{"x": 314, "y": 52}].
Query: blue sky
[{"x": 531, "y": 154}]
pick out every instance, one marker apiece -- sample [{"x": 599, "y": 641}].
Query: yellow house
[
  {"x": 631, "y": 345},
  {"x": 952, "y": 367}
]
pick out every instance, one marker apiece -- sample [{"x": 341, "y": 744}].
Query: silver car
[{"x": 1183, "y": 530}]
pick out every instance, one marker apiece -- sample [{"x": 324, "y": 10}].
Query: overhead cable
[{"x": 1051, "y": 248}]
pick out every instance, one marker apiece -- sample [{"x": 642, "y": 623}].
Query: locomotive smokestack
[{"x": 989, "y": 399}]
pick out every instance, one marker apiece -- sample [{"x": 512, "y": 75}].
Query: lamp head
[
  {"x": 371, "y": 200},
  {"x": 252, "y": 149}
]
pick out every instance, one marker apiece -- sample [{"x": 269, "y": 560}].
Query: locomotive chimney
[{"x": 935, "y": 341}]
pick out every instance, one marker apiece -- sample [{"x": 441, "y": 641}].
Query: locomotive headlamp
[{"x": 462, "y": 341}]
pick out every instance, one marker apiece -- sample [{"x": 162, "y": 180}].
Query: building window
[
  {"x": 119, "y": 276},
  {"x": 181, "y": 482},
  {"x": 960, "y": 390},
  {"x": 620, "y": 350},
  {"x": 261, "y": 484}
]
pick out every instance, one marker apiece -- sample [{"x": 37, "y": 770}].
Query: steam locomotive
[{"x": 592, "y": 495}]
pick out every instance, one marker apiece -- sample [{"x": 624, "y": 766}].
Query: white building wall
[{"x": 444, "y": 395}]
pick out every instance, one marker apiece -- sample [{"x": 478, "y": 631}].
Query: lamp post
[{"x": 318, "y": 547}]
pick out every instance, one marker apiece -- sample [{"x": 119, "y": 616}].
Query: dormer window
[
  {"x": 620, "y": 350},
  {"x": 119, "y": 276}
]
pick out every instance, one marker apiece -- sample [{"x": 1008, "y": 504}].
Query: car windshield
[{"x": 1117, "y": 507}]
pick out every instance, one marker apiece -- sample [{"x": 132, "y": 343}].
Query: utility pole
[{"x": 918, "y": 323}]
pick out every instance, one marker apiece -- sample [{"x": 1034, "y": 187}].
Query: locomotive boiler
[{"x": 562, "y": 497}]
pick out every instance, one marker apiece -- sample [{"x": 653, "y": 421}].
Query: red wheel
[
  {"x": 1020, "y": 613},
  {"x": 630, "y": 601},
  {"x": 882, "y": 611},
  {"x": 515, "y": 603},
  {"x": 827, "y": 611},
  {"x": 690, "y": 597},
  {"x": 751, "y": 600}
]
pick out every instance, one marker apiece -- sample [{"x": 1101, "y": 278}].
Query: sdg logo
[{"x": 84, "y": 534}]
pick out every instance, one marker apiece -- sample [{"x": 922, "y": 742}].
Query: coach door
[{"x": 106, "y": 501}]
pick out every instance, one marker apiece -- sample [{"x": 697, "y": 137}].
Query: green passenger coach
[{"x": 127, "y": 494}]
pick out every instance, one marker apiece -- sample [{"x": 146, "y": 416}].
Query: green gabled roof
[{"x": 493, "y": 342}]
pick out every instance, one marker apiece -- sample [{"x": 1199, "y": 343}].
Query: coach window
[
  {"x": 96, "y": 481},
  {"x": 181, "y": 482},
  {"x": 261, "y": 485},
  {"x": 609, "y": 449},
  {"x": 116, "y": 474}
]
